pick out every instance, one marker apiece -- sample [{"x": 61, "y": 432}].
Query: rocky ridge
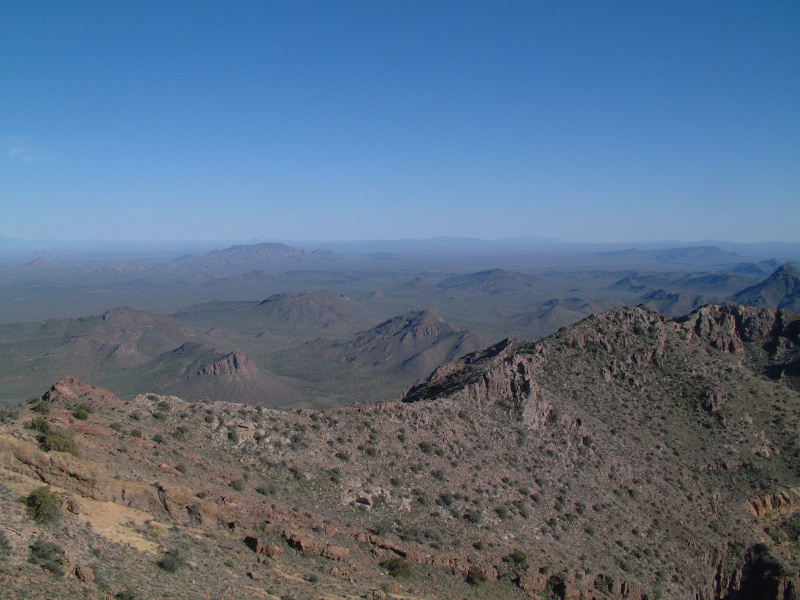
[{"x": 626, "y": 457}]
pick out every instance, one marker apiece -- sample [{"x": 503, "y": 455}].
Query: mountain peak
[{"x": 780, "y": 290}]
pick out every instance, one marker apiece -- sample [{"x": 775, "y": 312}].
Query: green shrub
[
  {"x": 427, "y": 447},
  {"x": 48, "y": 555},
  {"x": 43, "y": 505},
  {"x": 82, "y": 411},
  {"x": 398, "y": 567},
  {"x": 137, "y": 433},
  {"x": 58, "y": 441},
  {"x": 238, "y": 485},
  {"x": 476, "y": 575},
  {"x": 39, "y": 424},
  {"x": 518, "y": 557},
  {"x": 171, "y": 561},
  {"x": 42, "y": 407}
]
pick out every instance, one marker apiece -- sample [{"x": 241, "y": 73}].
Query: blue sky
[{"x": 590, "y": 121}]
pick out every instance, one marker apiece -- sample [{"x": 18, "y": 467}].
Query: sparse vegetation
[
  {"x": 171, "y": 561},
  {"x": 42, "y": 407},
  {"x": 476, "y": 575},
  {"x": 57, "y": 441},
  {"x": 398, "y": 568},
  {"x": 5, "y": 546},
  {"x": 43, "y": 505},
  {"x": 48, "y": 555},
  {"x": 82, "y": 411}
]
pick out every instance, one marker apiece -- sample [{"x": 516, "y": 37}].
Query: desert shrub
[
  {"x": 137, "y": 433},
  {"x": 43, "y": 505},
  {"x": 159, "y": 439},
  {"x": 473, "y": 516},
  {"x": 5, "y": 546},
  {"x": 238, "y": 484},
  {"x": 476, "y": 575},
  {"x": 163, "y": 406},
  {"x": 426, "y": 447},
  {"x": 126, "y": 595},
  {"x": 398, "y": 567},
  {"x": 182, "y": 468},
  {"x": 42, "y": 407},
  {"x": 518, "y": 557},
  {"x": 81, "y": 413},
  {"x": 343, "y": 456},
  {"x": 171, "y": 561},
  {"x": 202, "y": 494},
  {"x": 8, "y": 414},
  {"x": 57, "y": 441},
  {"x": 39, "y": 424},
  {"x": 267, "y": 489},
  {"x": 48, "y": 555}
]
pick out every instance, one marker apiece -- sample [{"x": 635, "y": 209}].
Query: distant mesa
[
  {"x": 492, "y": 281},
  {"x": 250, "y": 253},
  {"x": 780, "y": 290}
]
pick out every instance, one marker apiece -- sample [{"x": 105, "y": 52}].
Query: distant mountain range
[{"x": 690, "y": 255}]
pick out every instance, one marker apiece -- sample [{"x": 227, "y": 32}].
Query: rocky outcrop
[
  {"x": 233, "y": 364},
  {"x": 574, "y": 586},
  {"x": 730, "y": 328},
  {"x": 70, "y": 391},
  {"x": 767, "y": 340},
  {"x": 780, "y": 503}
]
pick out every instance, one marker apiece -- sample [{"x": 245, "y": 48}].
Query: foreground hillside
[{"x": 625, "y": 457}]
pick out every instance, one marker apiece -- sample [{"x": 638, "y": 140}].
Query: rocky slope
[
  {"x": 672, "y": 304},
  {"x": 626, "y": 457},
  {"x": 780, "y": 290},
  {"x": 399, "y": 351}
]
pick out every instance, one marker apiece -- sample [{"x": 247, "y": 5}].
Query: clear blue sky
[{"x": 593, "y": 121}]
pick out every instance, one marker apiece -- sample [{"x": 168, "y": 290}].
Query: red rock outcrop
[{"x": 235, "y": 363}]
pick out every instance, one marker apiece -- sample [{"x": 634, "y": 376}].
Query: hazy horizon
[{"x": 590, "y": 123}]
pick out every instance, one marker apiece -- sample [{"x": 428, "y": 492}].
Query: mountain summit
[{"x": 780, "y": 290}]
